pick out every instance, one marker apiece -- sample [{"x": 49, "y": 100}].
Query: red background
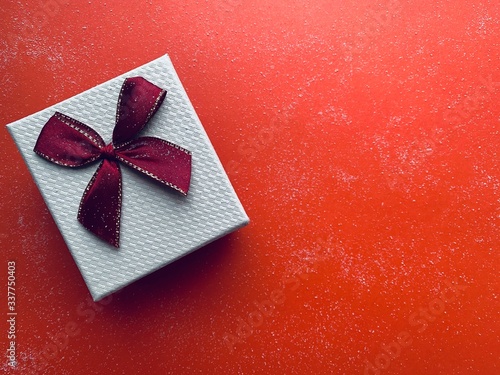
[{"x": 360, "y": 136}]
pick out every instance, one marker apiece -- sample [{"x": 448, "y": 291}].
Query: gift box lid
[{"x": 158, "y": 225}]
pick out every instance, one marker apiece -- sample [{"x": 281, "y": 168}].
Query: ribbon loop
[
  {"x": 137, "y": 103},
  {"x": 70, "y": 143}
]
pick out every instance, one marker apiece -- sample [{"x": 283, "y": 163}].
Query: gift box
[{"x": 157, "y": 224}]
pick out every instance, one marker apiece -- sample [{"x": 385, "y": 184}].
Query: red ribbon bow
[{"x": 70, "y": 143}]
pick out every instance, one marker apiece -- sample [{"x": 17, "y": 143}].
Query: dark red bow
[{"x": 70, "y": 143}]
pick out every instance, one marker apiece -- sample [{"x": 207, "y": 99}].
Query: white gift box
[{"x": 158, "y": 225}]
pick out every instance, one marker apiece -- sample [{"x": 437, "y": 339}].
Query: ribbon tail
[
  {"x": 160, "y": 160},
  {"x": 100, "y": 207}
]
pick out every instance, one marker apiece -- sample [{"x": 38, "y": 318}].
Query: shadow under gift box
[{"x": 158, "y": 225}]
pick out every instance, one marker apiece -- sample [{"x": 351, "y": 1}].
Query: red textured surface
[{"x": 362, "y": 139}]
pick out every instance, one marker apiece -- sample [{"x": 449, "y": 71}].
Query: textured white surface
[{"x": 158, "y": 225}]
